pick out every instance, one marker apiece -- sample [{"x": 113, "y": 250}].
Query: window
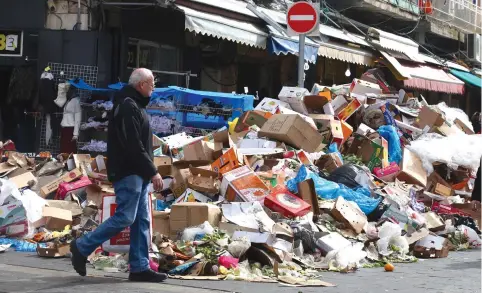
[{"x": 155, "y": 57}]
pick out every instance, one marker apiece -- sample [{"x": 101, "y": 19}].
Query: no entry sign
[{"x": 302, "y": 18}]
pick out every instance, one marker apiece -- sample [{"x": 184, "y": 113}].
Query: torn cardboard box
[
  {"x": 431, "y": 247},
  {"x": 163, "y": 165},
  {"x": 203, "y": 180},
  {"x": 329, "y": 162},
  {"x": 160, "y": 222},
  {"x": 54, "y": 219},
  {"x": 307, "y": 191},
  {"x": 54, "y": 251},
  {"x": 349, "y": 214},
  {"x": 293, "y": 130},
  {"x": 412, "y": 171},
  {"x": 271, "y": 105}
]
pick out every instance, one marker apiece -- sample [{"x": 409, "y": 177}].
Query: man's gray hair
[{"x": 139, "y": 75}]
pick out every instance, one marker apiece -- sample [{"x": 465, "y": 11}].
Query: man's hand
[{"x": 157, "y": 182}]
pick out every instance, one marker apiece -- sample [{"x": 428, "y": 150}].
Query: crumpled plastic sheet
[
  {"x": 346, "y": 258},
  {"x": 163, "y": 104},
  {"x": 106, "y": 105},
  {"x": 190, "y": 234},
  {"x": 453, "y": 113},
  {"x": 455, "y": 150},
  {"x": 109, "y": 263},
  {"x": 390, "y": 234},
  {"x": 162, "y": 124},
  {"x": 326, "y": 189},
  {"x": 389, "y": 133},
  {"x": 95, "y": 146}
]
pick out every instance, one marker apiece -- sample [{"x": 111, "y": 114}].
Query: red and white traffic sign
[{"x": 302, "y": 18}]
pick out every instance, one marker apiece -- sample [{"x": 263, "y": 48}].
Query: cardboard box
[
  {"x": 332, "y": 241},
  {"x": 443, "y": 190},
  {"x": 163, "y": 165},
  {"x": 189, "y": 214},
  {"x": 54, "y": 185},
  {"x": 243, "y": 185},
  {"x": 227, "y": 162},
  {"x": 338, "y": 104},
  {"x": 434, "y": 222},
  {"x": 79, "y": 161},
  {"x": 464, "y": 127},
  {"x": 329, "y": 162},
  {"x": 322, "y": 121},
  {"x": 282, "y": 201},
  {"x": 308, "y": 119},
  {"x": 347, "y": 130},
  {"x": 307, "y": 191},
  {"x": 180, "y": 172},
  {"x": 54, "y": 219},
  {"x": 67, "y": 188},
  {"x": 55, "y": 252},
  {"x": 412, "y": 171},
  {"x": 363, "y": 129},
  {"x": 351, "y": 108},
  {"x": 160, "y": 222},
  {"x": 251, "y": 118},
  {"x": 98, "y": 168},
  {"x": 292, "y": 129},
  {"x": 431, "y": 246},
  {"x": 69, "y": 205},
  {"x": 360, "y": 88},
  {"x": 271, "y": 105},
  {"x": 336, "y": 131},
  {"x": 349, "y": 214},
  {"x": 368, "y": 150},
  {"x": 428, "y": 118},
  {"x": 314, "y": 103},
  {"x": 22, "y": 181},
  {"x": 12, "y": 212},
  {"x": 201, "y": 150},
  {"x": 294, "y": 97},
  {"x": 203, "y": 180}
]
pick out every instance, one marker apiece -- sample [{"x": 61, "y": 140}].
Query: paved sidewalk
[{"x": 460, "y": 272}]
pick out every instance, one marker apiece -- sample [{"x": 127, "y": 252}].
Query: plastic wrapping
[
  {"x": 458, "y": 150},
  {"x": 474, "y": 239},
  {"x": 389, "y": 133},
  {"x": 326, "y": 189},
  {"x": 390, "y": 236},
  {"x": 453, "y": 113},
  {"x": 333, "y": 148},
  {"x": 347, "y": 258},
  {"x": 238, "y": 247},
  {"x": 189, "y": 234},
  {"x": 228, "y": 262}
]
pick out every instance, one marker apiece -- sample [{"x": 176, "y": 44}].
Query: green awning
[{"x": 468, "y": 77}]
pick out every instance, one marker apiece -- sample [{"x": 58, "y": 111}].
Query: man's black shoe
[
  {"x": 147, "y": 276},
  {"x": 78, "y": 260}
]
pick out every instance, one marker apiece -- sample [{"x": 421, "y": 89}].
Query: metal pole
[{"x": 301, "y": 62}]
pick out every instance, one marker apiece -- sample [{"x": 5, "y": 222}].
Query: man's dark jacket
[{"x": 129, "y": 142}]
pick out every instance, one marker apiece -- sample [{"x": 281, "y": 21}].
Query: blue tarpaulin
[
  {"x": 82, "y": 85},
  {"x": 282, "y": 45}
]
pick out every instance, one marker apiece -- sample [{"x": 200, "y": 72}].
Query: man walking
[{"x": 130, "y": 167}]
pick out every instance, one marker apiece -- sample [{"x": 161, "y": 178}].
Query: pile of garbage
[{"x": 339, "y": 178}]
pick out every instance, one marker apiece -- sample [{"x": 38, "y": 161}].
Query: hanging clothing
[
  {"x": 67, "y": 145},
  {"x": 72, "y": 115},
  {"x": 62, "y": 94},
  {"x": 47, "y": 93},
  {"x": 22, "y": 84}
]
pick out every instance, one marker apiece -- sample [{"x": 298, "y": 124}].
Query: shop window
[{"x": 163, "y": 60}]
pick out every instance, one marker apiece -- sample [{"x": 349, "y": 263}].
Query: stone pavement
[{"x": 460, "y": 272}]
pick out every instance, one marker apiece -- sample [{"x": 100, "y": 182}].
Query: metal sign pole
[{"x": 301, "y": 61}]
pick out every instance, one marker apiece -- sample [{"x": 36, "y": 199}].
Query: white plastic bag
[
  {"x": 8, "y": 188},
  {"x": 346, "y": 258},
  {"x": 189, "y": 234},
  {"x": 239, "y": 246},
  {"x": 474, "y": 239},
  {"x": 453, "y": 113},
  {"x": 391, "y": 235}
]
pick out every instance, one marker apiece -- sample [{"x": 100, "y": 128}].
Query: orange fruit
[{"x": 389, "y": 267}]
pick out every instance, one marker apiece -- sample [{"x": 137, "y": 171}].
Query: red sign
[{"x": 302, "y": 17}]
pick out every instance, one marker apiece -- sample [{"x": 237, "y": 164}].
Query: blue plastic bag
[
  {"x": 389, "y": 133},
  {"x": 326, "y": 189}
]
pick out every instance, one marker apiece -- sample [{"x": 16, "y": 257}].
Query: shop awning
[
  {"x": 345, "y": 53},
  {"x": 289, "y": 45},
  {"x": 393, "y": 42},
  {"x": 224, "y": 28},
  {"x": 468, "y": 77},
  {"x": 424, "y": 77}
]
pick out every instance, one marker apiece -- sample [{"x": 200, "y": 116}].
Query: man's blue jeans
[{"x": 132, "y": 210}]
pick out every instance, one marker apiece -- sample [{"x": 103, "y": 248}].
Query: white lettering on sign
[
  {"x": 11, "y": 43},
  {"x": 302, "y": 17}
]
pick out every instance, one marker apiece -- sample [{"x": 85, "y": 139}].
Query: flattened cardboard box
[
  {"x": 57, "y": 251},
  {"x": 54, "y": 185},
  {"x": 307, "y": 191},
  {"x": 293, "y": 130}
]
